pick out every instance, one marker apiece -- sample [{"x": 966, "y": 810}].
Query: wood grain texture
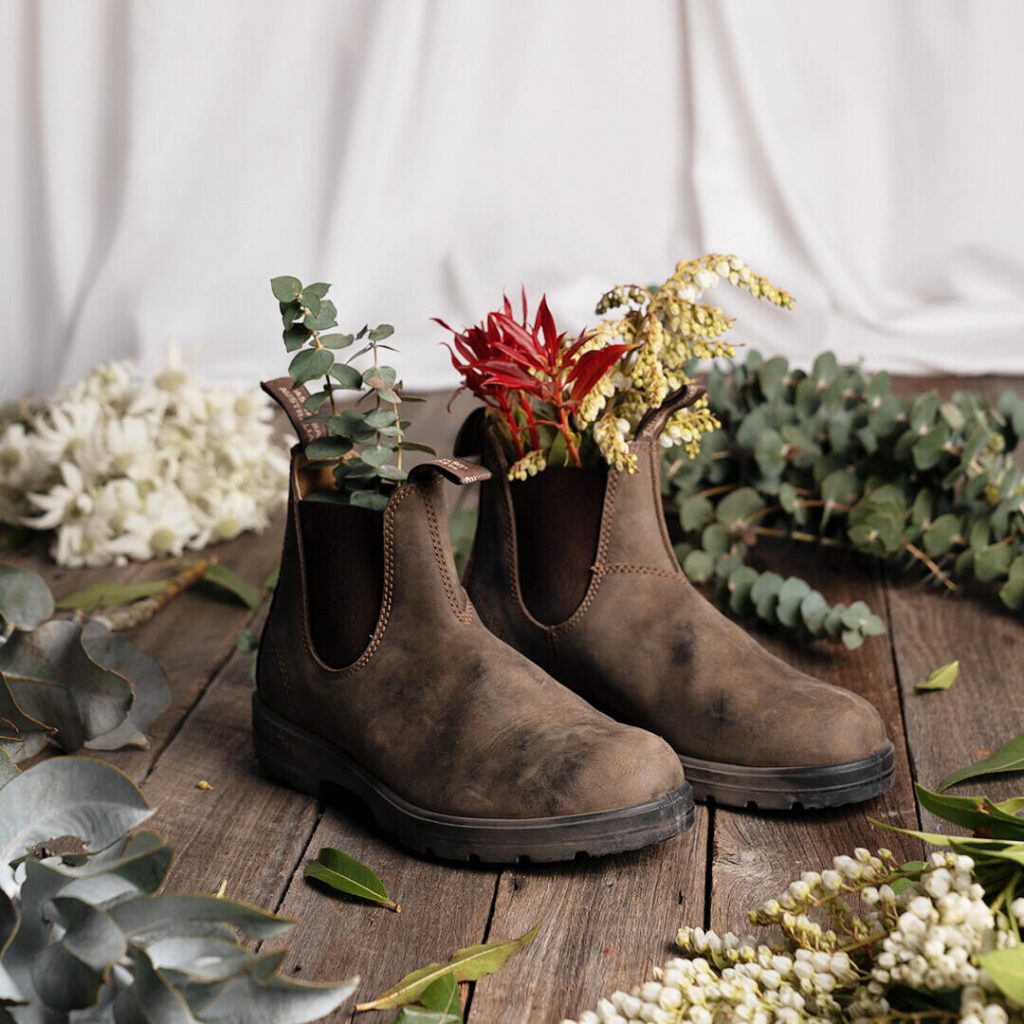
[
  {"x": 444, "y": 907},
  {"x": 604, "y": 923},
  {"x": 756, "y": 855},
  {"x": 246, "y": 829}
]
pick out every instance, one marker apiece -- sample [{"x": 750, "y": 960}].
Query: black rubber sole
[
  {"x": 783, "y": 789},
  {"x": 307, "y": 763}
]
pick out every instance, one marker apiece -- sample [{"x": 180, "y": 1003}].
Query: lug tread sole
[
  {"x": 786, "y": 789},
  {"x": 304, "y": 761}
]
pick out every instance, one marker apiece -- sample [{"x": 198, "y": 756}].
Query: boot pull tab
[
  {"x": 290, "y": 397},
  {"x": 459, "y": 471},
  {"x": 653, "y": 422}
]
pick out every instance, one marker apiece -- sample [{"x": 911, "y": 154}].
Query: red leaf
[
  {"x": 591, "y": 367},
  {"x": 547, "y": 325}
]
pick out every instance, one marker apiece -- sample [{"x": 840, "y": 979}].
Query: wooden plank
[
  {"x": 603, "y": 924},
  {"x": 195, "y": 635},
  {"x": 756, "y": 855},
  {"x": 985, "y": 707},
  {"x": 246, "y": 829},
  {"x": 444, "y": 907}
]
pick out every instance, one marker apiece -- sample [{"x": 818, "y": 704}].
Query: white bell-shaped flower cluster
[
  {"x": 884, "y": 937},
  {"x": 128, "y": 469}
]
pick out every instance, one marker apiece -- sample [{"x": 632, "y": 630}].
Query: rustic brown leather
[
  {"x": 644, "y": 644},
  {"x": 435, "y": 706}
]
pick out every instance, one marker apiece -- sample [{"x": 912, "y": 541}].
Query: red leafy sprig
[{"x": 517, "y": 366}]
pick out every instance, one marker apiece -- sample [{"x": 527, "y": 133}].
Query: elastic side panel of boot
[
  {"x": 558, "y": 525},
  {"x": 343, "y": 548}
]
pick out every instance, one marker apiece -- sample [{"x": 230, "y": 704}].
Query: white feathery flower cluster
[
  {"x": 122, "y": 468},
  {"x": 920, "y": 936}
]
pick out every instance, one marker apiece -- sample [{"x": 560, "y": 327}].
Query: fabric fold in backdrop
[{"x": 164, "y": 160}]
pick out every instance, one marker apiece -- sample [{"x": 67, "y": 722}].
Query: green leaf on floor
[
  {"x": 1008, "y": 758},
  {"x": 270, "y": 583},
  {"x": 221, "y": 577},
  {"x": 1006, "y": 968},
  {"x": 468, "y": 964},
  {"x": 439, "y": 1004},
  {"x": 977, "y": 813},
  {"x": 25, "y": 599},
  {"x": 338, "y": 870},
  {"x": 110, "y": 595},
  {"x": 940, "y": 679}
]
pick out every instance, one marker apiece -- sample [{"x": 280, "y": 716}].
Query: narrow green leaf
[
  {"x": 285, "y": 289},
  {"x": 220, "y": 576},
  {"x": 270, "y": 583},
  {"x": 1006, "y": 968},
  {"x": 468, "y": 964},
  {"x": 1008, "y": 758},
  {"x": 309, "y": 364},
  {"x": 338, "y": 870},
  {"x": 414, "y": 1014},
  {"x": 941, "y": 678},
  {"x": 110, "y": 595},
  {"x": 415, "y": 446},
  {"x": 977, "y": 813}
]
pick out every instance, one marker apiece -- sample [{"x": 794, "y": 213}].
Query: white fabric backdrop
[{"x": 163, "y": 159}]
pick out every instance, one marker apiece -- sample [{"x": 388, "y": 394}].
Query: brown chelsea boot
[
  {"x": 574, "y": 567},
  {"x": 376, "y": 676}
]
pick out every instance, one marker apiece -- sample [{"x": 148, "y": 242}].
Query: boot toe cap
[{"x": 630, "y": 767}]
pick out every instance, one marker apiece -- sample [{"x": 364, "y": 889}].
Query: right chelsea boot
[
  {"x": 375, "y": 676},
  {"x": 575, "y": 568}
]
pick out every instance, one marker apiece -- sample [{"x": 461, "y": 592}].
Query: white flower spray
[
  {"x": 122, "y": 468},
  {"x": 905, "y": 949}
]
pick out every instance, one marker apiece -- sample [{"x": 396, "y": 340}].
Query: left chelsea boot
[{"x": 575, "y": 568}]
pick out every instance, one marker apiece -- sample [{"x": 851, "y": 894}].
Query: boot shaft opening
[
  {"x": 343, "y": 551},
  {"x": 558, "y": 526}
]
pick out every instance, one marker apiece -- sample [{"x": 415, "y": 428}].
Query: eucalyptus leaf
[
  {"x": 53, "y": 680},
  {"x": 151, "y": 692},
  {"x": 348, "y": 377},
  {"x": 337, "y": 869},
  {"x": 369, "y": 499},
  {"x": 68, "y": 796},
  {"x": 285, "y": 289},
  {"x": 309, "y": 364},
  {"x": 327, "y": 448},
  {"x": 25, "y": 599},
  {"x": 941, "y": 678},
  {"x": 336, "y": 341},
  {"x": 379, "y": 377},
  {"x": 468, "y": 964},
  {"x": 1008, "y": 758},
  {"x": 380, "y": 332}
]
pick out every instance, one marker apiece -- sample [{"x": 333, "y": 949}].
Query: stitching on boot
[
  {"x": 386, "y": 599},
  {"x": 640, "y": 570},
  {"x": 282, "y": 671},
  {"x": 462, "y": 614}
]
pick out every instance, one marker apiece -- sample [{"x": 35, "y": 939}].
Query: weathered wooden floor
[{"x": 602, "y": 922}]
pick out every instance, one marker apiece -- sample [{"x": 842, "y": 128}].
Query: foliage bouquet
[
  {"x": 563, "y": 400},
  {"x": 867, "y": 940}
]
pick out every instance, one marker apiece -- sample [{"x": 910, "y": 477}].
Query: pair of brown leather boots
[{"x": 470, "y": 725}]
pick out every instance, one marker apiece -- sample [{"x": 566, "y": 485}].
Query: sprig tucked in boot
[{"x": 376, "y": 679}]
